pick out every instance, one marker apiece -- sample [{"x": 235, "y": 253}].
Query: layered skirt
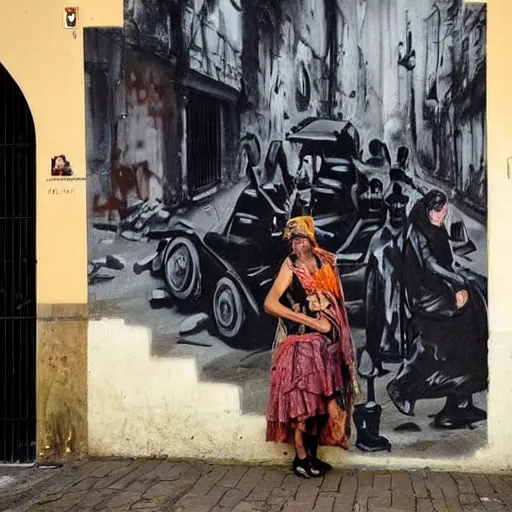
[{"x": 306, "y": 376}]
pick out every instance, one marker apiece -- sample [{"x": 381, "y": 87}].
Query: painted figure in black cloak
[
  {"x": 379, "y": 153},
  {"x": 384, "y": 331},
  {"x": 400, "y": 173},
  {"x": 448, "y": 356},
  {"x": 384, "y": 280}
]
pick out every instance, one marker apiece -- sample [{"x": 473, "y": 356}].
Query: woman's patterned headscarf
[
  {"x": 325, "y": 279},
  {"x": 300, "y": 226}
]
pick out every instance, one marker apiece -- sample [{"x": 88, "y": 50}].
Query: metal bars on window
[
  {"x": 17, "y": 275},
  {"x": 204, "y": 147}
]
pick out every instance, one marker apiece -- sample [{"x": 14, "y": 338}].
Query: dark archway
[{"x": 17, "y": 275}]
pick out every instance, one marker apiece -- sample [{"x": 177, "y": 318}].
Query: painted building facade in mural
[{"x": 211, "y": 123}]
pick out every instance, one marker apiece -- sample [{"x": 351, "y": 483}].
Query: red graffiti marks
[
  {"x": 147, "y": 90},
  {"x": 127, "y": 181}
]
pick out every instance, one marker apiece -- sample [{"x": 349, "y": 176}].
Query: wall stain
[{"x": 62, "y": 383}]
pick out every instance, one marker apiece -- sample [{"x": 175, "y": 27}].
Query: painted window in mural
[{"x": 211, "y": 124}]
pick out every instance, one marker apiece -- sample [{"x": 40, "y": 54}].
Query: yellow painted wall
[
  {"x": 127, "y": 403},
  {"x": 46, "y": 61}
]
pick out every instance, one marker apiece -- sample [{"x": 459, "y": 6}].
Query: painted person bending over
[{"x": 313, "y": 380}]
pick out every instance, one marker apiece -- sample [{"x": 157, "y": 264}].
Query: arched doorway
[{"x": 17, "y": 275}]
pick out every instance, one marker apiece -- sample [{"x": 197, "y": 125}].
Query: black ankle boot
[
  {"x": 458, "y": 413},
  {"x": 311, "y": 445},
  {"x": 304, "y": 468},
  {"x": 367, "y": 421}
]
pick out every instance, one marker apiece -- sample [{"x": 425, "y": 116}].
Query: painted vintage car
[{"x": 228, "y": 273}]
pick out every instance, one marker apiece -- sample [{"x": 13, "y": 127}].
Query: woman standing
[{"x": 313, "y": 373}]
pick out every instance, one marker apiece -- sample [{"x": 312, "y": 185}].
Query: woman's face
[
  {"x": 59, "y": 163},
  {"x": 301, "y": 245},
  {"x": 437, "y": 217}
]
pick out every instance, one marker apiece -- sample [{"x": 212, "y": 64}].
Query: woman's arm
[
  {"x": 431, "y": 263},
  {"x": 273, "y": 307}
]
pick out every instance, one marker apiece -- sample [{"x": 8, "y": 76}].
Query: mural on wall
[{"x": 211, "y": 123}]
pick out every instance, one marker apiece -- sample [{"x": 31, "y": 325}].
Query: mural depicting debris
[
  {"x": 210, "y": 123},
  {"x": 97, "y": 275}
]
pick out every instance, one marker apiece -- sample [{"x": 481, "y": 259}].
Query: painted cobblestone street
[{"x": 155, "y": 485}]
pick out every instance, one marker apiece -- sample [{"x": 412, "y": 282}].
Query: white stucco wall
[{"x": 141, "y": 406}]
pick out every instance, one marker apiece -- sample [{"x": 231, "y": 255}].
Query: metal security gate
[
  {"x": 204, "y": 146},
  {"x": 17, "y": 275}
]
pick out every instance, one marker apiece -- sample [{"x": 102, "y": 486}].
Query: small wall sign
[
  {"x": 70, "y": 17},
  {"x": 61, "y": 166}
]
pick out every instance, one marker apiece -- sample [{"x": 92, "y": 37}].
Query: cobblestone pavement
[{"x": 152, "y": 485}]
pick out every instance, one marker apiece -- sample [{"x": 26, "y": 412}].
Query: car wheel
[
  {"x": 182, "y": 270},
  {"x": 228, "y": 309}
]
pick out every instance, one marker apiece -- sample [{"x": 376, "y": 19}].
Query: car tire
[
  {"x": 183, "y": 270},
  {"x": 229, "y": 312}
]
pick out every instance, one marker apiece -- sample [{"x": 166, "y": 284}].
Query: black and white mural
[{"x": 210, "y": 123}]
